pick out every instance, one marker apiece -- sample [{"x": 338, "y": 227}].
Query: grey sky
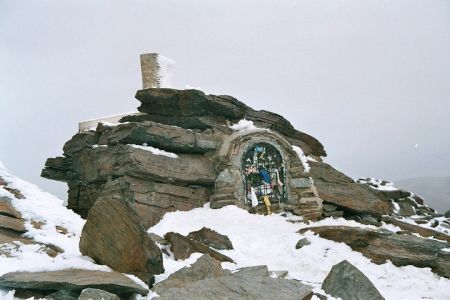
[{"x": 369, "y": 79}]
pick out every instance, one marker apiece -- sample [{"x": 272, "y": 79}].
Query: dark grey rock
[
  {"x": 302, "y": 242},
  {"x": 182, "y": 247},
  {"x": 62, "y": 295},
  {"x": 329, "y": 207},
  {"x": 96, "y": 294},
  {"x": 349, "y": 283},
  {"x": 211, "y": 239},
  {"x": 247, "y": 283},
  {"x": 447, "y": 214}
]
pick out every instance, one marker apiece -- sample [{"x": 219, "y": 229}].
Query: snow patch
[
  {"x": 302, "y": 157},
  {"x": 153, "y": 150},
  {"x": 243, "y": 125}
]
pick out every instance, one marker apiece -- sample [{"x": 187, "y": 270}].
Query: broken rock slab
[
  {"x": 72, "y": 280},
  {"x": 182, "y": 247},
  {"x": 114, "y": 235},
  {"x": 347, "y": 282},
  {"x": 211, "y": 239},
  {"x": 96, "y": 294}
]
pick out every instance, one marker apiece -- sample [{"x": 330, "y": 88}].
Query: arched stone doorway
[{"x": 264, "y": 173}]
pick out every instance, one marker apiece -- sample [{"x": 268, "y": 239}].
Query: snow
[
  {"x": 43, "y": 207},
  {"x": 302, "y": 157},
  {"x": 270, "y": 240},
  {"x": 243, "y": 125},
  {"x": 378, "y": 184},
  {"x": 165, "y": 73},
  {"x": 153, "y": 150}
]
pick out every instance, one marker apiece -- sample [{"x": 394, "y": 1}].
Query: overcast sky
[{"x": 369, "y": 79}]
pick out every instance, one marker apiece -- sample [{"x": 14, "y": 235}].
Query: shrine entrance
[{"x": 264, "y": 174}]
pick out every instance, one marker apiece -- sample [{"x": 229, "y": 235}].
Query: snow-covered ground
[
  {"x": 271, "y": 240},
  {"x": 48, "y": 209},
  {"x": 257, "y": 240}
]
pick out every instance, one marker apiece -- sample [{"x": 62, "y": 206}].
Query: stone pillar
[{"x": 150, "y": 70}]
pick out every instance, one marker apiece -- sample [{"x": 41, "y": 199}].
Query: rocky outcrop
[
  {"x": 206, "y": 280},
  {"x": 381, "y": 246},
  {"x": 166, "y": 105},
  {"x": 72, "y": 280},
  {"x": 345, "y": 281},
  {"x": 182, "y": 247},
  {"x": 336, "y": 188},
  {"x": 211, "y": 239},
  {"x": 113, "y": 235},
  {"x": 425, "y": 232}
]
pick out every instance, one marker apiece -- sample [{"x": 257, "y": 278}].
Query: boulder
[
  {"x": 113, "y": 235},
  {"x": 72, "y": 280},
  {"x": 211, "y": 239},
  {"x": 96, "y": 294},
  {"x": 204, "y": 267},
  {"x": 381, "y": 246},
  {"x": 247, "y": 283},
  {"x": 302, "y": 242},
  {"x": 182, "y": 248},
  {"x": 347, "y": 282},
  {"x": 336, "y": 188}
]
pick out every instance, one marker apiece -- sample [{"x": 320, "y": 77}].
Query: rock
[
  {"x": 161, "y": 136},
  {"x": 62, "y": 295},
  {"x": 157, "y": 239},
  {"x": 338, "y": 189},
  {"x": 349, "y": 283},
  {"x": 247, "y": 283},
  {"x": 7, "y": 209},
  {"x": 329, "y": 207},
  {"x": 183, "y": 247},
  {"x": 447, "y": 214},
  {"x": 425, "y": 232},
  {"x": 204, "y": 267},
  {"x": 334, "y": 214},
  {"x": 381, "y": 246},
  {"x": 395, "y": 194},
  {"x": 11, "y": 237},
  {"x": 80, "y": 141},
  {"x": 113, "y": 235},
  {"x": 406, "y": 208},
  {"x": 12, "y": 223},
  {"x": 96, "y": 294},
  {"x": 302, "y": 242},
  {"x": 211, "y": 239},
  {"x": 72, "y": 280},
  {"x": 192, "y": 105}
]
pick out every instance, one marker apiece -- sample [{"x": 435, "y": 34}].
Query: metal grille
[{"x": 264, "y": 173}]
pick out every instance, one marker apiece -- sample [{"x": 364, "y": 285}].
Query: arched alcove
[{"x": 264, "y": 173}]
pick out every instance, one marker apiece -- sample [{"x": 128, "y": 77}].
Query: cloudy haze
[{"x": 369, "y": 79}]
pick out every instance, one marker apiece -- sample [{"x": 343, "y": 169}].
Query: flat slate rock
[
  {"x": 349, "y": 283},
  {"x": 72, "y": 280}
]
